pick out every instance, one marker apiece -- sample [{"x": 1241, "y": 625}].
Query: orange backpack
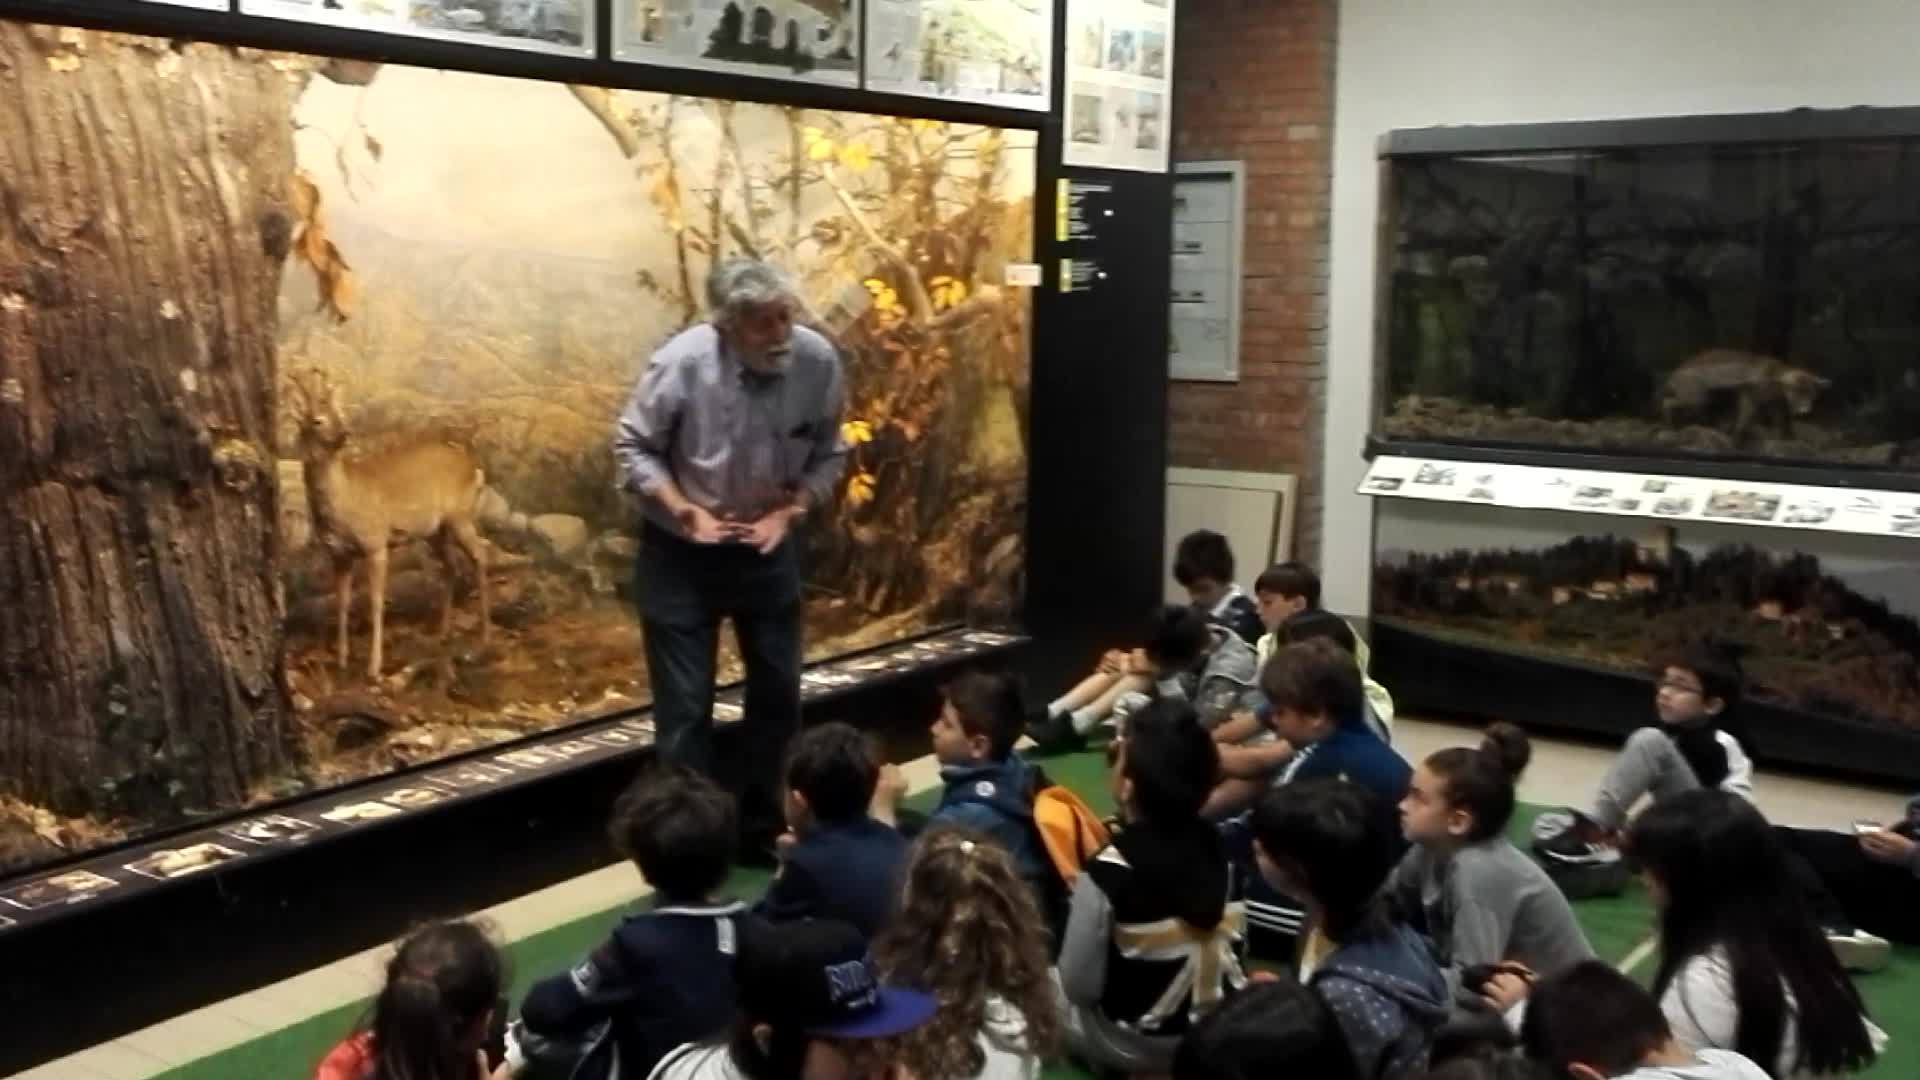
[{"x": 1069, "y": 830}]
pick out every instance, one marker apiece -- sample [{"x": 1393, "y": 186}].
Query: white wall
[{"x": 1420, "y": 63}]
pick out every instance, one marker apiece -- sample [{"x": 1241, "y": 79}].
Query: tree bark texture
[{"x": 143, "y": 228}]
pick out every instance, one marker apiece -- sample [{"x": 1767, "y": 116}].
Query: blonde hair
[{"x": 968, "y": 926}]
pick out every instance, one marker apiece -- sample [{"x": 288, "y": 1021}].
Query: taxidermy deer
[{"x": 361, "y": 508}]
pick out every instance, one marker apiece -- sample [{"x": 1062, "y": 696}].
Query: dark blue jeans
[{"x": 685, "y": 590}]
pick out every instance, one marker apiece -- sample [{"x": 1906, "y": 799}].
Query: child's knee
[{"x": 1648, "y": 740}]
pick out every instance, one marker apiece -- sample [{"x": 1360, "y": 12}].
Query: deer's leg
[
  {"x": 377, "y": 603},
  {"x": 470, "y": 542},
  {"x": 343, "y": 607},
  {"x": 442, "y": 541}
]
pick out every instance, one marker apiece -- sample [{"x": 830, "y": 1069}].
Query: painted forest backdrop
[{"x": 225, "y": 272}]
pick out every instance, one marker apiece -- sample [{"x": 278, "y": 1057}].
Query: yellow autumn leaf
[
  {"x": 855, "y": 156},
  {"x": 860, "y": 488},
  {"x": 875, "y": 285},
  {"x": 821, "y": 150},
  {"x": 918, "y": 125},
  {"x": 855, "y": 432}
]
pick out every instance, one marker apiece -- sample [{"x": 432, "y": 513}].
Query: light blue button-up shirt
[{"x": 735, "y": 441}]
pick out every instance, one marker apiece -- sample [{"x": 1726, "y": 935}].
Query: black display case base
[{"x": 1433, "y": 673}]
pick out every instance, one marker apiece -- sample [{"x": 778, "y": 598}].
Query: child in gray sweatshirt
[{"x": 1482, "y": 900}]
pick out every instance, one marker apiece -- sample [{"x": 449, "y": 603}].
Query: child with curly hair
[{"x": 969, "y": 932}]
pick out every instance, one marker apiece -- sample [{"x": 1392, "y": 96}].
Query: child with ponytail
[
  {"x": 433, "y": 1014},
  {"x": 1495, "y": 917}
]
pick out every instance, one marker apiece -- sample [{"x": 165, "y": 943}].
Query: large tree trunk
[{"x": 143, "y": 226}]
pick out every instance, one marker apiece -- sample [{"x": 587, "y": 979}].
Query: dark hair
[
  {"x": 1290, "y": 579},
  {"x": 427, "y": 1022},
  {"x": 1730, "y": 887},
  {"x": 1171, "y": 760},
  {"x": 1204, "y": 555},
  {"x": 989, "y": 704},
  {"x": 1717, "y": 665},
  {"x": 1269, "y": 1029},
  {"x": 1480, "y": 779},
  {"x": 834, "y": 767},
  {"x": 1314, "y": 677},
  {"x": 1336, "y": 840},
  {"x": 680, "y": 829},
  {"x": 1178, "y": 636},
  {"x": 1509, "y": 745},
  {"x": 1316, "y": 623},
  {"x": 1592, "y": 1015},
  {"x": 1488, "y": 1067}
]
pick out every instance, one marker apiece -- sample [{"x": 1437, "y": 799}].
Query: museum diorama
[
  {"x": 1704, "y": 348},
  {"x": 308, "y": 375}
]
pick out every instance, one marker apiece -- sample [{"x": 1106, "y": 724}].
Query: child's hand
[
  {"x": 887, "y": 793},
  {"x": 1114, "y": 662},
  {"x": 783, "y": 844},
  {"x": 1887, "y": 847},
  {"x": 1138, "y": 664},
  {"x": 1506, "y": 989}
]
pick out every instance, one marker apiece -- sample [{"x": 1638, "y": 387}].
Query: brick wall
[{"x": 1253, "y": 82}]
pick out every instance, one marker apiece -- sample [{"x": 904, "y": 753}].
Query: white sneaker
[{"x": 1859, "y": 951}]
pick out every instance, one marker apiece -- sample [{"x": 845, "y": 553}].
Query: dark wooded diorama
[
  {"x": 308, "y": 371},
  {"x": 1743, "y": 300},
  {"x": 1811, "y": 641}
]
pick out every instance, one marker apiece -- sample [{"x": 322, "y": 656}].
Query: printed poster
[
  {"x": 564, "y": 27},
  {"x": 997, "y": 52},
  {"x": 1119, "y": 83},
  {"x": 803, "y": 40}
]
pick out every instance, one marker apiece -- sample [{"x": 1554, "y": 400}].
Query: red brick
[{"x": 1253, "y": 82}]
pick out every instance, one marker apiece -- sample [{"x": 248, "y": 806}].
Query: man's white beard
[{"x": 773, "y": 360}]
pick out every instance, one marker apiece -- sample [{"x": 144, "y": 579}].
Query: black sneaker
[
  {"x": 1055, "y": 735},
  {"x": 1571, "y": 838}
]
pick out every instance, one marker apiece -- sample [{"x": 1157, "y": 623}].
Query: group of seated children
[{"x": 1252, "y": 773}]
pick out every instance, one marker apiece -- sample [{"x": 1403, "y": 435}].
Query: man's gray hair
[{"x": 743, "y": 282}]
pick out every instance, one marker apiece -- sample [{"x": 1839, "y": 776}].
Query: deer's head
[{"x": 314, "y": 402}]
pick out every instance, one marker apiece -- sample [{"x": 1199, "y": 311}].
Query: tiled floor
[{"x": 1561, "y": 774}]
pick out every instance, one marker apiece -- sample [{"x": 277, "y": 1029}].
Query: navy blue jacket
[
  {"x": 664, "y": 977},
  {"x": 996, "y": 798},
  {"x": 1355, "y": 753},
  {"x": 846, "y": 871}
]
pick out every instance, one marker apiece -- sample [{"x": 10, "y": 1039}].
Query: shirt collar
[{"x": 1226, "y": 601}]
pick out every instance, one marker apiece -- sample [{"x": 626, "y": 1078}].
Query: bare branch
[
  {"x": 918, "y": 302},
  {"x": 599, "y": 102}
]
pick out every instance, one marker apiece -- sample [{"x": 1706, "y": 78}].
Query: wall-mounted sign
[
  {"x": 992, "y": 51},
  {"x": 555, "y": 26},
  {"x": 802, "y": 40},
  {"x": 1119, "y": 84}
]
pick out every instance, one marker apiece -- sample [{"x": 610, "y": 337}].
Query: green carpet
[{"x": 1614, "y": 926}]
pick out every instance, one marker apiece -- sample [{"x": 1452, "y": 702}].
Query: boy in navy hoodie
[
  {"x": 665, "y": 976},
  {"x": 841, "y": 863},
  {"x": 1318, "y": 708},
  {"x": 989, "y": 787},
  {"x": 1329, "y": 845}
]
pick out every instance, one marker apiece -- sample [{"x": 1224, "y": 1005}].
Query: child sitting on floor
[
  {"x": 841, "y": 862},
  {"x": 989, "y": 787},
  {"x": 665, "y": 974},
  {"x": 1482, "y": 901},
  {"x": 969, "y": 932},
  {"x": 1203, "y": 565},
  {"x": 1698, "y": 743},
  {"x": 1152, "y": 936},
  {"x": 1593, "y": 1023},
  {"x": 1291, "y": 590},
  {"x": 1329, "y": 845},
  {"x": 432, "y": 1016},
  {"x": 1185, "y": 658}
]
